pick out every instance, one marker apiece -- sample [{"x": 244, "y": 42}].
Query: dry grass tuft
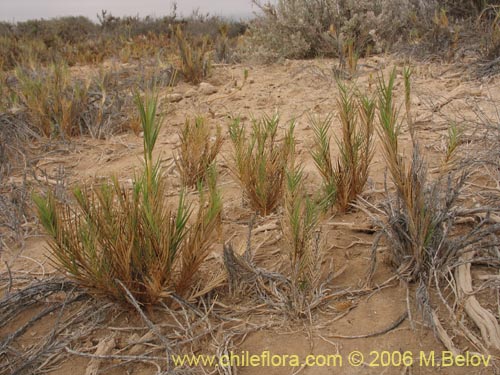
[
  {"x": 54, "y": 104},
  {"x": 352, "y": 57},
  {"x": 414, "y": 222},
  {"x": 419, "y": 222},
  {"x": 57, "y": 105},
  {"x": 195, "y": 57},
  {"x": 323, "y": 159},
  {"x": 196, "y": 245},
  {"x": 493, "y": 38},
  {"x": 198, "y": 150},
  {"x": 453, "y": 141},
  {"x": 345, "y": 180},
  {"x": 260, "y": 161}
]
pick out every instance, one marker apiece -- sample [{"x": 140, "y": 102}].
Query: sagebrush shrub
[
  {"x": 303, "y": 28},
  {"x": 310, "y": 28}
]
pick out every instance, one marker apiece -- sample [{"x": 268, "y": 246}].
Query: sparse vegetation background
[
  {"x": 345, "y": 28},
  {"x": 321, "y": 177}
]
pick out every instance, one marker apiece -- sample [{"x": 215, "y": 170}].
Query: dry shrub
[
  {"x": 197, "y": 151},
  {"x": 200, "y": 24},
  {"x": 4, "y": 95},
  {"x": 15, "y": 211},
  {"x": 106, "y": 111},
  {"x": 224, "y": 47},
  {"x": 490, "y": 18},
  {"x": 195, "y": 57},
  {"x": 344, "y": 180},
  {"x": 72, "y": 39},
  {"x": 78, "y": 40},
  {"x": 60, "y": 106},
  {"x": 433, "y": 31},
  {"x": 115, "y": 236},
  {"x": 17, "y": 148},
  {"x": 260, "y": 161},
  {"x": 13, "y": 51}
]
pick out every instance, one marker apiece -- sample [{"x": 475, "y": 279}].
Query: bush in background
[{"x": 311, "y": 28}]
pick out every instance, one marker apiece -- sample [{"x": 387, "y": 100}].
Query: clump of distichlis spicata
[
  {"x": 345, "y": 178},
  {"x": 198, "y": 151},
  {"x": 114, "y": 240},
  {"x": 271, "y": 177}
]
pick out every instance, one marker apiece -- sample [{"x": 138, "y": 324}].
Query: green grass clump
[
  {"x": 260, "y": 161},
  {"x": 300, "y": 219},
  {"x": 346, "y": 178},
  {"x": 197, "y": 151},
  {"x": 114, "y": 235}
]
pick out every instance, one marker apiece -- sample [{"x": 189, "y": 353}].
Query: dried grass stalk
[{"x": 195, "y": 59}]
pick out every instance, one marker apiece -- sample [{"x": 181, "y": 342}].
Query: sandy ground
[{"x": 296, "y": 90}]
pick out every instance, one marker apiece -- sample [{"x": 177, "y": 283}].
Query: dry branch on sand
[
  {"x": 73, "y": 311},
  {"x": 73, "y": 316}
]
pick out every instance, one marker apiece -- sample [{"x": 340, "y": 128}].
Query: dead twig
[
  {"x": 394, "y": 325},
  {"x": 146, "y": 320}
]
